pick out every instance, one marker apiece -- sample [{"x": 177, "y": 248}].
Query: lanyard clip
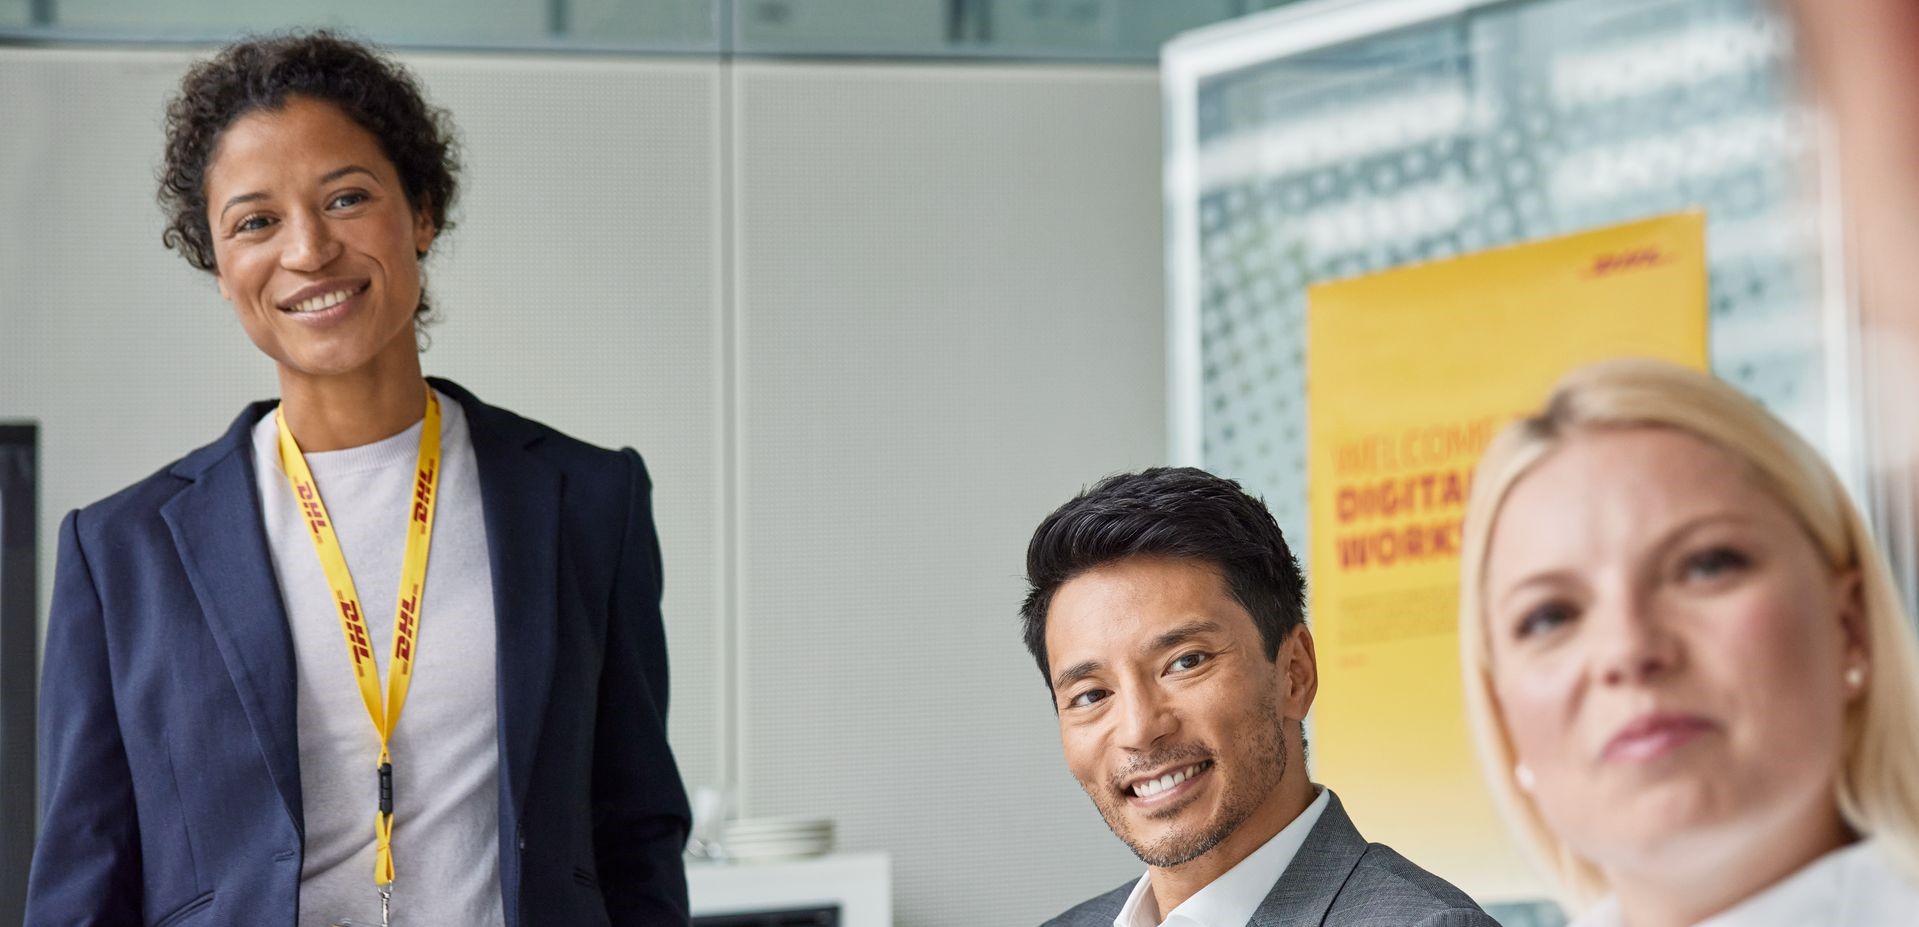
[{"x": 386, "y": 788}]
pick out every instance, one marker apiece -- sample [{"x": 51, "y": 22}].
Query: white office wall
[
  {"x": 949, "y": 311},
  {"x": 867, "y": 323},
  {"x": 583, "y": 288}
]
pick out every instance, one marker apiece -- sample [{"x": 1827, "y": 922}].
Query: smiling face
[
  {"x": 317, "y": 247},
  {"x": 1171, "y": 716},
  {"x": 1668, "y": 653}
]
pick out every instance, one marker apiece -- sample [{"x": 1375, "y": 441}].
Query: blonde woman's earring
[{"x": 1523, "y": 775}]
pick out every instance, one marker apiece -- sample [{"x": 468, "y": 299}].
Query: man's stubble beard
[{"x": 1266, "y": 763}]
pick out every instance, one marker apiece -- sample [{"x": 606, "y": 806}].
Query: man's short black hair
[{"x": 1178, "y": 512}]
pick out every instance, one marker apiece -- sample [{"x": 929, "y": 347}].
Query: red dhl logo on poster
[{"x": 1635, "y": 259}]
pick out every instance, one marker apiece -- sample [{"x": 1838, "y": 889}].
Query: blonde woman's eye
[
  {"x": 1543, "y": 618},
  {"x": 1715, "y": 562}
]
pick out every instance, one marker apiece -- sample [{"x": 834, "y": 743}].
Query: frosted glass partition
[
  {"x": 1033, "y": 29},
  {"x": 662, "y": 25},
  {"x": 1338, "y": 138}
]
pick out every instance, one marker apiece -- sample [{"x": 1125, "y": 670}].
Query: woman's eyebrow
[
  {"x": 326, "y": 178},
  {"x": 242, "y": 198},
  {"x": 339, "y": 172}
]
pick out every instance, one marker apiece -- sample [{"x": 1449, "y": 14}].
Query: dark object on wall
[
  {"x": 19, "y": 659},
  {"x": 809, "y": 917}
]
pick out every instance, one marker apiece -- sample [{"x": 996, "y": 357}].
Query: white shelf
[{"x": 860, "y": 884}]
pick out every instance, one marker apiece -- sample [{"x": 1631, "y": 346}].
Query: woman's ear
[
  {"x": 423, "y": 228},
  {"x": 1850, "y": 595},
  {"x": 1856, "y": 636}
]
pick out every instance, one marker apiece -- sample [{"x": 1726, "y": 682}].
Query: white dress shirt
[
  {"x": 1231, "y": 899},
  {"x": 1854, "y": 886}
]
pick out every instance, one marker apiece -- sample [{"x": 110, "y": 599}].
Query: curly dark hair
[{"x": 262, "y": 72}]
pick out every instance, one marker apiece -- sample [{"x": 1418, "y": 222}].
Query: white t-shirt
[{"x": 446, "y": 747}]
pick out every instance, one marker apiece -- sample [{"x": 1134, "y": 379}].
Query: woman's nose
[
  {"x": 1632, "y": 643},
  {"x": 310, "y": 244}
]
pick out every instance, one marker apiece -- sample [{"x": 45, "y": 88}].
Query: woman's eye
[
  {"x": 1087, "y": 698},
  {"x": 1714, "y": 562},
  {"x": 348, "y": 199},
  {"x": 1543, "y": 618},
  {"x": 1188, "y": 661},
  {"x": 252, "y": 224}
]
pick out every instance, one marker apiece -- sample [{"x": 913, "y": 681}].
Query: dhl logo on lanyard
[{"x": 406, "y": 618}]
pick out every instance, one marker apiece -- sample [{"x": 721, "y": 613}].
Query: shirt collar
[
  {"x": 1822, "y": 892},
  {"x": 1231, "y": 899}
]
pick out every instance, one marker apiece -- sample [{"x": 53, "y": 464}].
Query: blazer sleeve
[
  {"x": 86, "y": 864},
  {"x": 640, "y": 814}
]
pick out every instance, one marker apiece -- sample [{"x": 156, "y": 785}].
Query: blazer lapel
[
  {"x": 217, "y": 526},
  {"x": 520, "y": 496},
  {"x": 1305, "y": 891}
]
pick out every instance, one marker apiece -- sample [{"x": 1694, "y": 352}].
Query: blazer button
[{"x": 522, "y": 842}]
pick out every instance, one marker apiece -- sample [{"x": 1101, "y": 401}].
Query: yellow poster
[{"x": 1409, "y": 375}]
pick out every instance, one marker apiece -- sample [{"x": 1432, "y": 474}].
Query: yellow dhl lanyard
[{"x": 406, "y": 618}]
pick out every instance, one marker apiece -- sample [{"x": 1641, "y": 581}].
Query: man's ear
[{"x": 1298, "y": 674}]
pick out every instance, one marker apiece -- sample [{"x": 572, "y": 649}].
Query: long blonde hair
[{"x": 1878, "y": 783}]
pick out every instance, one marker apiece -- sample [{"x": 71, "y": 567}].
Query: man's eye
[
  {"x": 1186, "y": 661},
  {"x": 1714, "y": 562},
  {"x": 1543, "y": 618},
  {"x": 1087, "y": 698}
]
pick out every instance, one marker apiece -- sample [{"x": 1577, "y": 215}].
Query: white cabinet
[{"x": 860, "y": 885}]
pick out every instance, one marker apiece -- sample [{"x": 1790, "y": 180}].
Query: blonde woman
[{"x": 1693, "y": 686}]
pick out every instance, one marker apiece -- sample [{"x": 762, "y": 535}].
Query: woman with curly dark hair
[{"x": 233, "y": 732}]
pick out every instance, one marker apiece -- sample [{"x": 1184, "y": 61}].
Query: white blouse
[{"x": 1857, "y": 885}]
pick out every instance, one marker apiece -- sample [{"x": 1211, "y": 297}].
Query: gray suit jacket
[{"x": 1336, "y": 880}]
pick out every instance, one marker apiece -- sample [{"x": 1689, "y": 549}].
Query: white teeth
[
  {"x": 324, "y": 301},
  {"x": 1152, "y": 787}
]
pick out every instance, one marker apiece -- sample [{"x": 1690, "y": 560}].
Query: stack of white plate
[{"x": 763, "y": 839}]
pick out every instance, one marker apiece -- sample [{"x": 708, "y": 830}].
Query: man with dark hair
[{"x": 1167, "y": 617}]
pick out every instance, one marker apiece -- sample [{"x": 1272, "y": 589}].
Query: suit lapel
[
  {"x": 217, "y": 526},
  {"x": 520, "y": 496},
  {"x": 1306, "y": 890}
]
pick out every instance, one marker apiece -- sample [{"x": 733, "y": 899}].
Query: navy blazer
[{"x": 170, "y": 775}]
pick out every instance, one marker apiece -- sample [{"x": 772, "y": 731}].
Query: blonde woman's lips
[{"x": 1655, "y": 735}]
